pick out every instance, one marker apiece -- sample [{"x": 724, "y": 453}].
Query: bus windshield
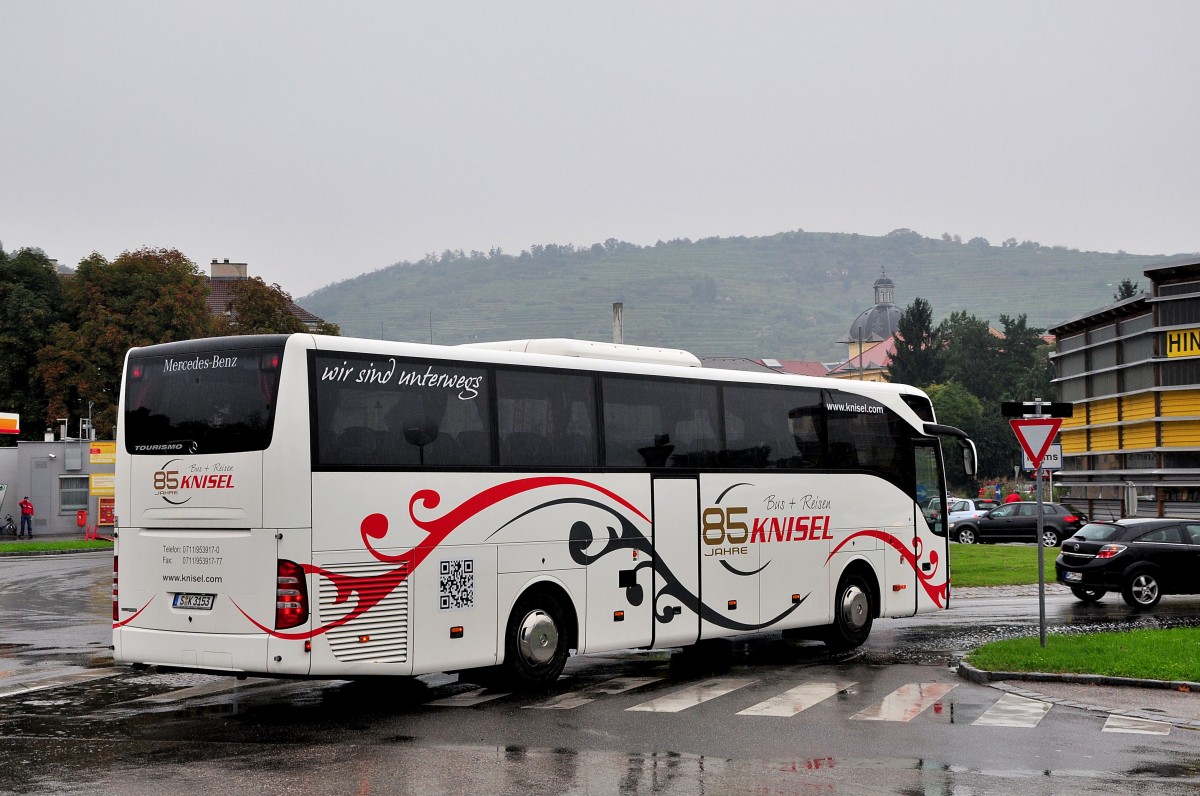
[{"x": 200, "y": 399}]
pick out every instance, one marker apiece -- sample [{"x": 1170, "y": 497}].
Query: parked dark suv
[
  {"x": 1141, "y": 558},
  {"x": 1017, "y": 522}
]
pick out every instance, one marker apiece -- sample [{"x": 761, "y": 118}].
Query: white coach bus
[{"x": 324, "y": 506}]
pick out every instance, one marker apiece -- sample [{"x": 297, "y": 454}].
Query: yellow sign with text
[
  {"x": 1183, "y": 343},
  {"x": 102, "y": 484},
  {"x": 103, "y": 452}
]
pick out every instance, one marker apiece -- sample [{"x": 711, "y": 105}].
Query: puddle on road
[{"x": 377, "y": 768}]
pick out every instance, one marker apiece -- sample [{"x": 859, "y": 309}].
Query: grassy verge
[
  {"x": 1172, "y": 654},
  {"x": 997, "y": 565},
  {"x": 1143, "y": 654},
  {"x": 55, "y": 547}
]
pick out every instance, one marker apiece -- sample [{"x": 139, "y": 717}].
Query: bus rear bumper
[{"x": 215, "y": 652}]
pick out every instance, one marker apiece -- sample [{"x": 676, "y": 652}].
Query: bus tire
[
  {"x": 535, "y": 641},
  {"x": 853, "y": 614}
]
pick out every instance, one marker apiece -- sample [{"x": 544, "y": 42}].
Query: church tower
[{"x": 877, "y": 323}]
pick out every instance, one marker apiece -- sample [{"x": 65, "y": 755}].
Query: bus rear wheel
[
  {"x": 853, "y": 614},
  {"x": 535, "y": 641}
]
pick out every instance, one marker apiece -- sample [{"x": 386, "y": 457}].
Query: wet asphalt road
[{"x": 71, "y": 723}]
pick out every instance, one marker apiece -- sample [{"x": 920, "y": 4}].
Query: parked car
[
  {"x": 963, "y": 508},
  {"x": 1140, "y": 557},
  {"x": 932, "y": 508},
  {"x": 1017, "y": 522}
]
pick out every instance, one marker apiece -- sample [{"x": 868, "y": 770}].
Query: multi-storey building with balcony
[{"x": 1132, "y": 372}]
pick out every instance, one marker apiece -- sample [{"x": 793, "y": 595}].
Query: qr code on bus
[{"x": 456, "y": 584}]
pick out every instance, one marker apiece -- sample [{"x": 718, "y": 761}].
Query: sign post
[{"x": 1036, "y": 432}]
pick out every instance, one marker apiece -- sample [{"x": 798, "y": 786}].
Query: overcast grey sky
[{"x": 318, "y": 141}]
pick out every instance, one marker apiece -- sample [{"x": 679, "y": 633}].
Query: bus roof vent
[{"x": 566, "y": 347}]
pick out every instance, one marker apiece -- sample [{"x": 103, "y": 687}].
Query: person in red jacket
[
  {"x": 26, "y": 517},
  {"x": 1013, "y": 497}
]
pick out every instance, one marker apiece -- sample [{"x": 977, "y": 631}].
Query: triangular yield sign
[{"x": 1036, "y": 434}]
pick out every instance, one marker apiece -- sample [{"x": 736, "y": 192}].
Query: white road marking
[
  {"x": 906, "y": 702},
  {"x": 55, "y": 681},
  {"x": 693, "y": 695},
  {"x": 466, "y": 699},
  {"x": 1014, "y": 711},
  {"x": 791, "y": 702},
  {"x": 206, "y": 689},
  {"x": 573, "y": 699},
  {"x": 1139, "y": 726}
]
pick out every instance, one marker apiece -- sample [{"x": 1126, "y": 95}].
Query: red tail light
[
  {"x": 291, "y": 595},
  {"x": 1110, "y": 550},
  {"x": 116, "y": 612},
  {"x": 1070, "y": 518}
]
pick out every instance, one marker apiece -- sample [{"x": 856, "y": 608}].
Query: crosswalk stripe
[
  {"x": 693, "y": 695},
  {"x": 573, "y": 699},
  {"x": 1129, "y": 724},
  {"x": 906, "y": 702},
  {"x": 206, "y": 689},
  {"x": 794, "y": 700},
  {"x": 57, "y": 680},
  {"x": 1011, "y": 710},
  {"x": 466, "y": 699}
]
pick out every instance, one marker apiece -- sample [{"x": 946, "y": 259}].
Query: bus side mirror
[{"x": 970, "y": 463}]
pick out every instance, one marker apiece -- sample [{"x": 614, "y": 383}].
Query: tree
[
  {"x": 918, "y": 354},
  {"x": 971, "y": 352},
  {"x": 31, "y": 302},
  {"x": 1018, "y": 359},
  {"x": 994, "y": 442},
  {"x": 955, "y": 406},
  {"x": 141, "y": 298},
  {"x": 259, "y": 308},
  {"x": 1127, "y": 289}
]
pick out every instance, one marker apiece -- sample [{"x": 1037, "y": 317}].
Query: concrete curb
[
  {"x": 68, "y": 552},
  {"x": 984, "y": 677},
  {"x": 1002, "y": 681}
]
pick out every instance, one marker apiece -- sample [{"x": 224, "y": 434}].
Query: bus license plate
[
  {"x": 1073, "y": 576},
  {"x": 196, "y": 602}
]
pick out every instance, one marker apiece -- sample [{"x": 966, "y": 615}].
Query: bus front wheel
[
  {"x": 535, "y": 642},
  {"x": 853, "y": 614}
]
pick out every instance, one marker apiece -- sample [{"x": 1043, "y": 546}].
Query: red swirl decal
[
  {"x": 129, "y": 619},
  {"x": 369, "y": 590},
  {"x": 936, "y": 591}
]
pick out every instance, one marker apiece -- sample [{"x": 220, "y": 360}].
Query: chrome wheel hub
[
  {"x": 855, "y": 607},
  {"x": 537, "y": 637}
]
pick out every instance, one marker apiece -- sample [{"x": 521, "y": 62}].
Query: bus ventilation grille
[{"x": 381, "y": 634}]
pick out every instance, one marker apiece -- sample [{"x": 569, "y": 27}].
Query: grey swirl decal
[{"x": 583, "y": 541}]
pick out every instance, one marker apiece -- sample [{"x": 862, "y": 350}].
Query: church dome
[{"x": 878, "y": 323}]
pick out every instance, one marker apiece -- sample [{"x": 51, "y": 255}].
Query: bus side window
[
  {"x": 524, "y": 449},
  {"x": 473, "y": 449},
  {"x": 357, "y": 445},
  {"x": 631, "y": 421},
  {"x": 546, "y": 418},
  {"x": 777, "y": 427}
]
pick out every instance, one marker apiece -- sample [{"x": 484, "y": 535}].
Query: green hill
[{"x": 790, "y": 295}]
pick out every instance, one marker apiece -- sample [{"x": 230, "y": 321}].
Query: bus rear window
[{"x": 201, "y": 400}]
